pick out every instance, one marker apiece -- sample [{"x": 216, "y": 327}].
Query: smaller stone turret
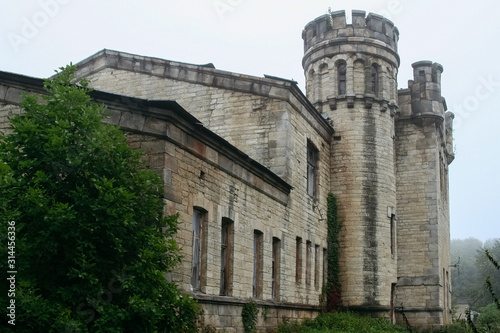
[{"x": 425, "y": 90}]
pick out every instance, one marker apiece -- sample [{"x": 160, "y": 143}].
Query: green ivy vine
[{"x": 333, "y": 289}]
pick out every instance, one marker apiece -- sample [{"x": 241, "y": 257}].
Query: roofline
[
  {"x": 168, "y": 110},
  {"x": 267, "y": 86}
]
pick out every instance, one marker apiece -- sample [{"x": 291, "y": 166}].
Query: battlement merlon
[{"x": 371, "y": 28}]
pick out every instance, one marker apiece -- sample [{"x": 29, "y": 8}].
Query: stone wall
[
  {"x": 423, "y": 291},
  {"x": 200, "y": 169}
]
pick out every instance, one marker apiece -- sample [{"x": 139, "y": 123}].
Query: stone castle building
[{"x": 248, "y": 163}]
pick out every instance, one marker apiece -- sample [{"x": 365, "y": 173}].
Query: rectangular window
[
  {"x": 308, "y": 263},
  {"x": 325, "y": 266},
  {"x": 312, "y": 166},
  {"x": 226, "y": 257},
  {"x": 316, "y": 266},
  {"x": 275, "y": 274},
  {"x": 298, "y": 260},
  {"x": 393, "y": 234},
  {"x": 257, "y": 263},
  {"x": 197, "y": 243}
]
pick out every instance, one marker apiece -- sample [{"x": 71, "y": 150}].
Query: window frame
[
  {"x": 312, "y": 169},
  {"x": 227, "y": 252}
]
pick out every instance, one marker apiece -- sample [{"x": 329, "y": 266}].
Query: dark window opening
[
  {"x": 298, "y": 261},
  {"x": 374, "y": 80},
  {"x": 342, "y": 78},
  {"x": 226, "y": 257},
  {"x": 275, "y": 274},
  {"x": 312, "y": 166}
]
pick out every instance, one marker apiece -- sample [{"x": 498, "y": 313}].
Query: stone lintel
[{"x": 429, "y": 280}]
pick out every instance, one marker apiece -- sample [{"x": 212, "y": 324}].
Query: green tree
[
  {"x": 91, "y": 245},
  {"x": 490, "y": 317},
  {"x": 488, "y": 272}
]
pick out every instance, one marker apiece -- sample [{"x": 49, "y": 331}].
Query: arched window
[
  {"x": 374, "y": 79},
  {"x": 341, "y": 74}
]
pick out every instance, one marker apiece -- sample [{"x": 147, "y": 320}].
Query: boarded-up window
[
  {"x": 257, "y": 263},
  {"x": 226, "y": 257},
  {"x": 275, "y": 274},
  {"x": 197, "y": 242},
  {"x": 308, "y": 262}
]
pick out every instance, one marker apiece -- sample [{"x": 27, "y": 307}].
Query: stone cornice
[{"x": 268, "y": 86}]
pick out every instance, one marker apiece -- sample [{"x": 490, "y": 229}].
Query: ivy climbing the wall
[{"x": 333, "y": 290}]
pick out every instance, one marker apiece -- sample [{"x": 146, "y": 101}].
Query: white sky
[{"x": 264, "y": 37}]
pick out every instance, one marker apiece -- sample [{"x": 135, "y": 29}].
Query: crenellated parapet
[{"x": 367, "y": 34}]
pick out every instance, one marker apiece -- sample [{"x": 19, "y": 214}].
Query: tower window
[
  {"x": 393, "y": 234},
  {"x": 341, "y": 73},
  {"x": 374, "y": 79},
  {"x": 312, "y": 166}
]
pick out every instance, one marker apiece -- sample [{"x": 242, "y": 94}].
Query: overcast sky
[{"x": 259, "y": 37}]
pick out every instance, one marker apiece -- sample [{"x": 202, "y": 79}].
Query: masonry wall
[
  {"x": 253, "y": 114},
  {"x": 362, "y": 156},
  {"x": 197, "y": 173},
  {"x": 223, "y": 195},
  {"x": 423, "y": 289},
  {"x": 275, "y": 131}
]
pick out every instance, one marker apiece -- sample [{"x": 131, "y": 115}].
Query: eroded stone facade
[{"x": 248, "y": 162}]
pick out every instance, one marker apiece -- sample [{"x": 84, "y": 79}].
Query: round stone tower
[{"x": 351, "y": 72}]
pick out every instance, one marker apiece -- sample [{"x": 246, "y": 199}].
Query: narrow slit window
[
  {"x": 375, "y": 80},
  {"x": 227, "y": 243},
  {"x": 342, "y": 78},
  {"x": 316, "y": 266},
  {"x": 298, "y": 260},
  {"x": 325, "y": 266},
  {"x": 308, "y": 262},
  {"x": 275, "y": 274}
]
